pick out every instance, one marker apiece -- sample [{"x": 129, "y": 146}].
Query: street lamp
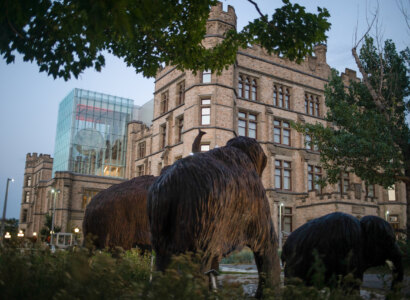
[
  {"x": 20, "y": 234},
  {"x": 4, "y": 208},
  {"x": 280, "y": 225},
  {"x": 387, "y": 215},
  {"x": 7, "y": 235},
  {"x": 53, "y": 191}
]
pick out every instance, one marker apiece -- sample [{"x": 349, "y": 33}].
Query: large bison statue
[
  {"x": 215, "y": 202},
  {"x": 344, "y": 245}
]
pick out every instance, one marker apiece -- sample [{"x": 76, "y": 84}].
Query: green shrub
[
  {"x": 76, "y": 274},
  {"x": 245, "y": 256}
]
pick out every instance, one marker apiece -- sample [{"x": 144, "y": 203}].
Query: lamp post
[
  {"x": 76, "y": 232},
  {"x": 53, "y": 191},
  {"x": 387, "y": 215},
  {"x": 3, "y": 220},
  {"x": 280, "y": 225}
]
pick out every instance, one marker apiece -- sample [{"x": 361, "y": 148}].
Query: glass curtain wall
[{"x": 91, "y": 134}]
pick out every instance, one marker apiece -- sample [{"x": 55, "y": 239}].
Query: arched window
[
  {"x": 254, "y": 90},
  {"x": 281, "y": 96},
  {"x": 247, "y": 88},
  {"x": 275, "y": 95},
  {"x": 306, "y": 104},
  {"x": 240, "y": 86},
  {"x": 287, "y": 98},
  {"x": 312, "y": 105}
]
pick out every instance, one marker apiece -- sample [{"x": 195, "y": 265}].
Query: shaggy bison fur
[
  {"x": 215, "y": 202},
  {"x": 344, "y": 245},
  {"x": 118, "y": 215}
]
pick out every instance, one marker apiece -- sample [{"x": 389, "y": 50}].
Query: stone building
[{"x": 259, "y": 96}]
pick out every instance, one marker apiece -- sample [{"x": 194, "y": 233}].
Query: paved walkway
[{"x": 375, "y": 284}]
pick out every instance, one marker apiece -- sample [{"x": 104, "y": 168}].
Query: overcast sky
[{"x": 29, "y": 99}]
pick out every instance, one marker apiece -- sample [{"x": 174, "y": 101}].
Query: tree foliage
[
  {"x": 369, "y": 135},
  {"x": 66, "y": 37}
]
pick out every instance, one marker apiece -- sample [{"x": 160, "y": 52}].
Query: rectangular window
[
  {"x": 309, "y": 144},
  {"x": 24, "y": 216},
  {"x": 87, "y": 196},
  {"x": 344, "y": 183},
  {"x": 206, "y": 76},
  {"x": 312, "y": 103},
  {"x": 314, "y": 174},
  {"x": 181, "y": 93},
  {"x": 163, "y": 135},
  {"x": 205, "y": 111},
  {"x": 281, "y": 132},
  {"x": 283, "y": 173},
  {"x": 164, "y": 102},
  {"x": 287, "y": 220},
  {"x": 391, "y": 192},
  {"x": 180, "y": 128},
  {"x": 247, "y": 124},
  {"x": 370, "y": 190},
  {"x": 27, "y": 197},
  {"x": 141, "y": 170},
  {"x": 247, "y": 87},
  {"x": 28, "y": 182},
  {"x": 141, "y": 149},
  {"x": 205, "y": 147},
  {"x": 281, "y": 96},
  {"x": 394, "y": 221}
]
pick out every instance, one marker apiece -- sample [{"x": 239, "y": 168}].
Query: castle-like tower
[
  {"x": 259, "y": 96},
  {"x": 34, "y": 204}
]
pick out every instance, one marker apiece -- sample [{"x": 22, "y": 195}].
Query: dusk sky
[{"x": 29, "y": 99}]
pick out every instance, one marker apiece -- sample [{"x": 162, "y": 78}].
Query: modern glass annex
[{"x": 91, "y": 134}]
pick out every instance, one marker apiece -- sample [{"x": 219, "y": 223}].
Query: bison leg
[
  {"x": 268, "y": 269},
  {"x": 162, "y": 262}
]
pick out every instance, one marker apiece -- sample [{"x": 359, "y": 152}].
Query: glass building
[{"x": 91, "y": 133}]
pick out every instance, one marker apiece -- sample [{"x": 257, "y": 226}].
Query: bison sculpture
[
  {"x": 344, "y": 245},
  {"x": 215, "y": 202}
]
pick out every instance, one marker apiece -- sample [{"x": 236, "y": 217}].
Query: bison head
[{"x": 252, "y": 148}]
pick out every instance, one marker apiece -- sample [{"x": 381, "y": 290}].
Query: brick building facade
[
  {"x": 73, "y": 192},
  {"x": 259, "y": 97}
]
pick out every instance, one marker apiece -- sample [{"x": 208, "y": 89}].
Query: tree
[
  {"x": 45, "y": 231},
  {"x": 66, "y": 37},
  {"x": 369, "y": 135},
  {"x": 11, "y": 226}
]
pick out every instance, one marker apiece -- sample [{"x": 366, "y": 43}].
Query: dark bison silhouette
[
  {"x": 117, "y": 216},
  {"x": 344, "y": 244},
  {"x": 215, "y": 202}
]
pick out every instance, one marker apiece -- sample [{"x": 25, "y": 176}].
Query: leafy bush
[
  {"x": 83, "y": 274},
  {"x": 239, "y": 257}
]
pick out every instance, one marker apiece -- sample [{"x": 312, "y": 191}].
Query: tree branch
[
  {"x": 11, "y": 25},
  {"x": 377, "y": 97},
  {"x": 405, "y": 179},
  {"x": 259, "y": 11}
]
